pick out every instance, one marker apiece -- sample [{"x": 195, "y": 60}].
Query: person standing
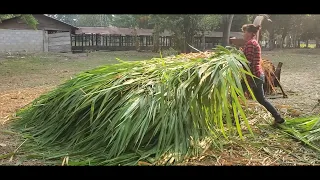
[{"x": 252, "y": 51}]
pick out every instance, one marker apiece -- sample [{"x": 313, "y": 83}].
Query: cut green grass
[
  {"x": 269, "y": 143},
  {"x": 142, "y": 109},
  {"x": 304, "y": 129}
]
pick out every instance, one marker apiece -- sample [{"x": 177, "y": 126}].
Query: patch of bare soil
[
  {"x": 303, "y": 94},
  {"x": 302, "y": 85},
  {"x": 10, "y": 102},
  {"x": 257, "y": 154}
]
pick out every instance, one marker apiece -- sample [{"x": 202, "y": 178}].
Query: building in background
[{"x": 51, "y": 35}]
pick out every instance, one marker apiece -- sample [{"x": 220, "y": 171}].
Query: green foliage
[
  {"x": 27, "y": 18},
  {"x": 299, "y": 26},
  {"x": 281, "y": 23},
  {"x": 209, "y": 22},
  {"x": 132, "y": 21},
  {"x": 96, "y": 20},
  {"x": 310, "y": 27},
  {"x": 303, "y": 27},
  {"x": 131, "y": 111},
  {"x": 6, "y": 16},
  {"x": 185, "y": 27},
  {"x": 30, "y": 20},
  {"x": 305, "y": 129},
  {"x": 239, "y": 20}
]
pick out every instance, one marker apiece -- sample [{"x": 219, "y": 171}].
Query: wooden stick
[{"x": 284, "y": 94}]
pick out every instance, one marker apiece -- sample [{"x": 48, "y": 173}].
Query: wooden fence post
[{"x": 45, "y": 41}]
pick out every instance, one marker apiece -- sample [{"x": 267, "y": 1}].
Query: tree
[
  {"x": 280, "y": 28},
  {"x": 208, "y": 23},
  {"x": 96, "y": 20},
  {"x": 132, "y": 21},
  {"x": 183, "y": 27},
  {"x": 282, "y": 22},
  {"x": 239, "y": 20},
  {"x": 157, "y": 21},
  {"x": 311, "y": 29},
  {"x": 226, "y": 21},
  {"x": 27, "y": 18},
  {"x": 295, "y": 28}
]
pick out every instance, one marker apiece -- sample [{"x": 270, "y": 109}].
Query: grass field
[
  {"x": 52, "y": 69},
  {"x": 25, "y": 77}
]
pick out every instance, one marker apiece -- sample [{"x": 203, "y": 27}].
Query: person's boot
[{"x": 279, "y": 120}]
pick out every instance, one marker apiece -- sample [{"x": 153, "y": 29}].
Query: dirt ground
[
  {"x": 300, "y": 79},
  {"x": 24, "y": 79}
]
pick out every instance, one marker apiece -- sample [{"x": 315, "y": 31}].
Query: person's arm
[
  {"x": 249, "y": 52},
  {"x": 255, "y": 63}
]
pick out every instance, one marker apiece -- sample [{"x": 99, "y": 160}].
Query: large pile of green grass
[{"x": 138, "y": 111}]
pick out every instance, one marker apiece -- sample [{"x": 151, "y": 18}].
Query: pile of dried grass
[{"x": 269, "y": 71}]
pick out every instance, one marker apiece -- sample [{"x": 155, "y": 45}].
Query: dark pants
[{"x": 257, "y": 89}]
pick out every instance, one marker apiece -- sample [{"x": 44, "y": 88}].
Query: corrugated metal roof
[
  {"x": 60, "y": 21},
  {"x": 105, "y": 30},
  {"x": 118, "y": 31},
  {"x": 142, "y": 32}
]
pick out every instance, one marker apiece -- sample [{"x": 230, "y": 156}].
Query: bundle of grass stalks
[
  {"x": 269, "y": 71},
  {"x": 139, "y": 111},
  {"x": 305, "y": 129}
]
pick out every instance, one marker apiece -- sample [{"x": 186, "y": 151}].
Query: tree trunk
[
  {"x": 271, "y": 39},
  {"x": 136, "y": 39},
  {"x": 317, "y": 42},
  {"x": 284, "y": 34},
  {"x": 279, "y": 42},
  {"x": 204, "y": 41},
  {"x": 188, "y": 40},
  {"x": 187, "y": 34},
  {"x": 156, "y": 39},
  {"x": 184, "y": 44},
  {"x": 288, "y": 42},
  {"x": 307, "y": 43},
  {"x": 294, "y": 40},
  {"x": 260, "y": 37},
  {"x": 156, "y": 42},
  {"x": 299, "y": 43},
  {"x": 226, "y": 29}
]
